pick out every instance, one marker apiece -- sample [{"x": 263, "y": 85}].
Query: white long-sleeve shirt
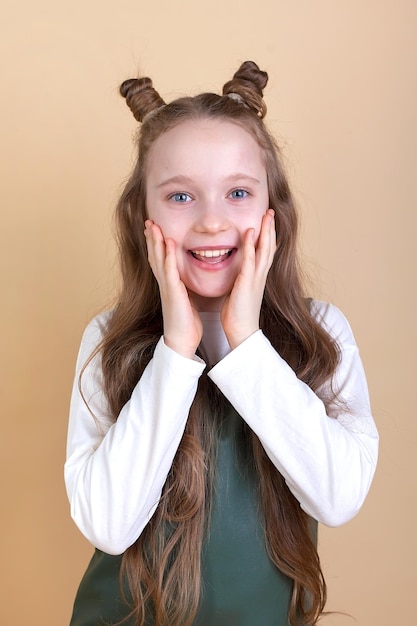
[{"x": 115, "y": 471}]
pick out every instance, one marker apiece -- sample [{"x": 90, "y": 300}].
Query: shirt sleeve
[
  {"x": 115, "y": 470},
  {"x": 327, "y": 462}
]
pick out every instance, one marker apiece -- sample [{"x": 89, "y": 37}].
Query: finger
[
  {"x": 273, "y": 236},
  {"x": 149, "y": 241},
  {"x": 153, "y": 232},
  {"x": 171, "y": 258},
  {"x": 248, "y": 261},
  {"x": 272, "y": 231},
  {"x": 266, "y": 242},
  {"x": 156, "y": 247}
]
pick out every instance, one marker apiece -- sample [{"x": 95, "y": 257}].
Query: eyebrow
[{"x": 185, "y": 180}]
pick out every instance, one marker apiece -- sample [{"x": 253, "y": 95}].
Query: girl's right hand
[{"x": 183, "y": 328}]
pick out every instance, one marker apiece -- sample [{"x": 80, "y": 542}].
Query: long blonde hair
[{"x": 162, "y": 568}]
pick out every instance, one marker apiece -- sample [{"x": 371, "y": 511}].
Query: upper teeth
[{"x": 211, "y": 253}]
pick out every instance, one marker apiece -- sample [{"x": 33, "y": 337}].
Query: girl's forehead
[{"x": 206, "y": 142}]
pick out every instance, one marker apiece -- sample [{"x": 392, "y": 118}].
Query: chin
[{"x": 215, "y": 294}]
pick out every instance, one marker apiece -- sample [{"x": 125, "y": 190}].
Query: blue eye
[
  {"x": 180, "y": 197},
  {"x": 238, "y": 194}
]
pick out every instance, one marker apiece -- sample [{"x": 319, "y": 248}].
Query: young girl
[{"x": 217, "y": 413}]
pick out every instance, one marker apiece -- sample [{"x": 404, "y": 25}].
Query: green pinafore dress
[{"x": 241, "y": 585}]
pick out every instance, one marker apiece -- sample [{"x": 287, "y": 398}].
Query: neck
[{"x": 209, "y": 305}]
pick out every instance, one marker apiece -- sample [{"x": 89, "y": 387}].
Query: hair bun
[
  {"x": 249, "y": 82},
  {"x": 140, "y": 97}
]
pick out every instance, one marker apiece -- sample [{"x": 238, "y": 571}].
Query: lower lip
[{"x": 213, "y": 263}]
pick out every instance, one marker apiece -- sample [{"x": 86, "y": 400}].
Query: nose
[{"x": 211, "y": 218}]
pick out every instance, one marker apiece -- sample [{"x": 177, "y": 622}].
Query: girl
[{"x": 217, "y": 414}]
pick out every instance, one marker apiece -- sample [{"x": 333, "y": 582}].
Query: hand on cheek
[
  {"x": 241, "y": 309},
  {"x": 182, "y": 324}
]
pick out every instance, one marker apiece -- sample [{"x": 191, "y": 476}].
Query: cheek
[
  {"x": 172, "y": 231},
  {"x": 254, "y": 221},
  {"x": 161, "y": 219},
  {"x": 170, "y": 228}
]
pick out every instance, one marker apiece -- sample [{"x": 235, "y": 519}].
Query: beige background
[{"x": 342, "y": 99}]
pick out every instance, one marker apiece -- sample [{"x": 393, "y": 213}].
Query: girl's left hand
[{"x": 241, "y": 309}]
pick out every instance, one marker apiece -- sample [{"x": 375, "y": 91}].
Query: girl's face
[{"x": 206, "y": 186}]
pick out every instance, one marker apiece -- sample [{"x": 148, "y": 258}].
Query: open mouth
[{"x": 212, "y": 256}]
